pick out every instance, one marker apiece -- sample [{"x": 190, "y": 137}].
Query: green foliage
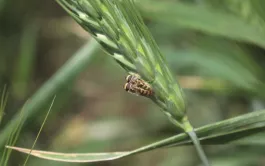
[
  {"x": 23, "y": 71},
  {"x": 119, "y": 28},
  {"x": 63, "y": 76},
  {"x": 227, "y": 131},
  {"x": 209, "y": 21},
  {"x": 13, "y": 135},
  {"x": 210, "y": 45},
  {"x": 40, "y": 130},
  {"x": 3, "y": 102}
]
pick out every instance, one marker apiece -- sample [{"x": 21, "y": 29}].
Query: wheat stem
[
  {"x": 193, "y": 136},
  {"x": 198, "y": 147}
]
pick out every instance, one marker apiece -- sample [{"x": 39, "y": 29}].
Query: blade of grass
[
  {"x": 66, "y": 73},
  {"x": 13, "y": 136},
  {"x": 203, "y": 19},
  {"x": 236, "y": 137},
  {"x": 42, "y": 125},
  {"x": 2, "y": 4},
  {"x": 218, "y": 133},
  {"x": 3, "y": 102},
  {"x": 23, "y": 69}
]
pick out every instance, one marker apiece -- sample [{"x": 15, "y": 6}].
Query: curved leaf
[
  {"x": 72, "y": 157},
  {"x": 218, "y": 133},
  {"x": 204, "y": 19}
]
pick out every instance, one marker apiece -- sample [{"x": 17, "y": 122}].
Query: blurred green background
[{"x": 214, "y": 47}]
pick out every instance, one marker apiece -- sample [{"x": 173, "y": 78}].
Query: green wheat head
[{"x": 118, "y": 27}]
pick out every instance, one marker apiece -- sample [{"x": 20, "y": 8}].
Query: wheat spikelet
[{"x": 118, "y": 27}]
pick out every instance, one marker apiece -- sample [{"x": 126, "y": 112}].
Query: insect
[
  {"x": 133, "y": 88},
  {"x": 137, "y": 86},
  {"x": 135, "y": 79}
]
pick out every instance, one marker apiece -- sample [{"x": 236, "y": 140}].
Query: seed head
[{"x": 119, "y": 28}]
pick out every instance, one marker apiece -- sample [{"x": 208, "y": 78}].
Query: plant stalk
[{"x": 193, "y": 136}]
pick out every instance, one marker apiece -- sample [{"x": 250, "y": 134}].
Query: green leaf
[
  {"x": 3, "y": 102},
  {"x": 218, "y": 133},
  {"x": 72, "y": 157},
  {"x": 215, "y": 64},
  {"x": 219, "y": 59},
  {"x": 203, "y": 19},
  {"x": 62, "y": 77},
  {"x": 24, "y": 66}
]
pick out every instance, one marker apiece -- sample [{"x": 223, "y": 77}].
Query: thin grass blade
[
  {"x": 42, "y": 125},
  {"x": 227, "y": 131},
  {"x": 203, "y": 19}
]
